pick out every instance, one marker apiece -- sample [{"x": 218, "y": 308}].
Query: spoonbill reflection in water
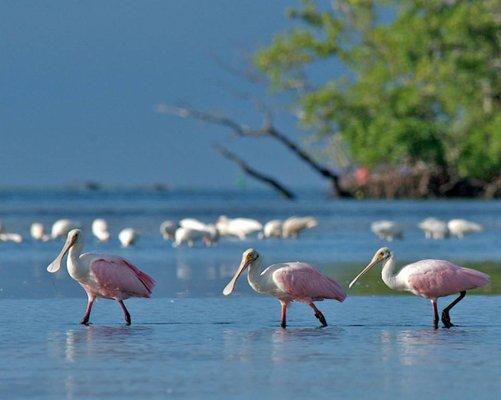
[
  {"x": 430, "y": 279},
  {"x": 291, "y": 281},
  {"x": 105, "y": 276}
]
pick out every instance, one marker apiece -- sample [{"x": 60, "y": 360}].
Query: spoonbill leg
[
  {"x": 126, "y": 312},
  {"x": 319, "y": 314},
  {"x": 283, "y": 314},
  {"x": 435, "y": 314},
  {"x": 446, "y": 319},
  {"x": 85, "y": 319}
]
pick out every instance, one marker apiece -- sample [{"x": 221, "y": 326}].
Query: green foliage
[{"x": 422, "y": 88}]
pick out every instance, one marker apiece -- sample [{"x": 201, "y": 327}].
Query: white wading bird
[
  {"x": 100, "y": 230},
  {"x": 168, "y": 229},
  {"x": 239, "y": 227},
  {"x": 293, "y": 225},
  {"x": 37, "y": 232},
  {"x": 386, "y": 230},
  {"x": 8, "y": 236},
  {"x": 62, "y": 226},
  {"x": 127, "y": 237},
  {"x": 271, "y": 229},
  {"x": 462, "y": 227},
  {"x": 434, "y": 228},
  {"x": 291, "y": 281},
  {"x": 190, "y": 236}
]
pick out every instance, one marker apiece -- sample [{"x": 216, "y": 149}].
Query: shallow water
[{"x": 190, "y": 342}]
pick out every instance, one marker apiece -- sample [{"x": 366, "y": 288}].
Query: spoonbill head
[
  {"x": 291, "y": 281},
  {"x": 102, "y": 276},
  {"x": 430, "y": 279},
  {"x": 100, "y": 230}
]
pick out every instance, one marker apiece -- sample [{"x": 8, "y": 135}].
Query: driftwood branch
[
  {"x": 267, "y": 130},
  {"x": 267, "y": 180}
]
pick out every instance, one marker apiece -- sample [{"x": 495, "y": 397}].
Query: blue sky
[{"x": 80, "y": 80}]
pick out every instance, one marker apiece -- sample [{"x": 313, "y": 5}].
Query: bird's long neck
[
  {"x": 73, "y": 263},
  {"x": 389, "y": 273},
  {"x": 256, "y": 280}
]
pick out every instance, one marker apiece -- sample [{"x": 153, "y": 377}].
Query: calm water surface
[{"x": 190, "y": 342}]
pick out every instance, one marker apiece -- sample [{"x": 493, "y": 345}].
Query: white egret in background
[
  {"x": 9, "y": 236},
  {"x": 212, "y": 234},
  {"x": 430, "y": 279},
  {"x": 434, "y": 228},
  {"x": 271, "y": 229},
  {"x": 288, "y": 282},
  {"x": 127, "y": 237},
  {"x": 386, "y": 230},
  {"x": 61, "y": 227},
  {"x": 168, "y": 229},
  {"x": 37, "y": 232},
  {"x": 293, "y": 225},
  {"x": 190, "y": 236},
  {"x": 239, "y": 227},
  {"x": 461, "y": 227},
  {"x": 100, "y": 230}
]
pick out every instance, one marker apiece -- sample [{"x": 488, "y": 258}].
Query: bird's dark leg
[
  {"x": 319, "y": 315},
  {"x": 446, "y": 319},
  {"x": 85, "y": 319},
  {"x": 126, "y": 313},
  {"x": 435, "y": 314},
  {"x": 283, "y": 314}
]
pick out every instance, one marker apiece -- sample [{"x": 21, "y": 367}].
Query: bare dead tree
[
  {"x": 267, "y": 130},
  {"x": 267, "y": 180}
]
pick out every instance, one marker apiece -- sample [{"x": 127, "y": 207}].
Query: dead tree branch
[
  {"x": 267, "y": 180},
  {"x": 267, "y": 130}
]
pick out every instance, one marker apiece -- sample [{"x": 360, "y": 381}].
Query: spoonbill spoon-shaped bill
[
  {"x": 127, "y": 237},
  {"x": 100, "y": 230},
  {"x": 271, "y": 229},
  {"x": 168, "y": 229},
  {"x": 102, "y": 276},
  {"x": 430, "y": 279},
  {"x": 434, "y": 228},
  {"x": 37, "y": 232},
  {"x": 386, "y": 230},
  {"x": 462, "y": 227},
  {"x": 288, "y": 282},
  {"x": 61, "y": 227},
  {"x": 239, "y": 227},
  {"x": 294, "y": 225}
]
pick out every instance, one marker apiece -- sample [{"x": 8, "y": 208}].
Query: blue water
[{"x": 188, "y": 341}]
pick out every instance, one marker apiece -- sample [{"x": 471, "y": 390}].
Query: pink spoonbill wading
[
  {"x": 291, "y": 281},
  {"x": 430, "y": 279},
  {"x": 102, "y": 276}
]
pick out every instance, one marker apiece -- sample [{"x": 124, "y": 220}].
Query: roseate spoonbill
[
  {"x": 271, "y": 229},
  {"x": 168, "y": 229},
  {"x": 462, "y": 227},
  {"x": 102, "y": 276},
  {"x": 239, "y": 227},
  {"x": 62, "y": 226},
  {"x": 291, "y": 281},
  {"x": 127, "y": 237},
  {"x": 430, "y": 279},
  {"x": 190, "y": 236},
  {"x": 37, "y": 232},
  {"x": 293, "y": 225},
  {"x": 434, "y": 228},
  {"x": 100, "y": 230},
  {"x": 386, "y": 230}
]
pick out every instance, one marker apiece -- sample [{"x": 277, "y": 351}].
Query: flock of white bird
[
  {"x": 189, "y": 231},
  {"x": 186, "y": 231},
  {"x": 433, "y": 228}
]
